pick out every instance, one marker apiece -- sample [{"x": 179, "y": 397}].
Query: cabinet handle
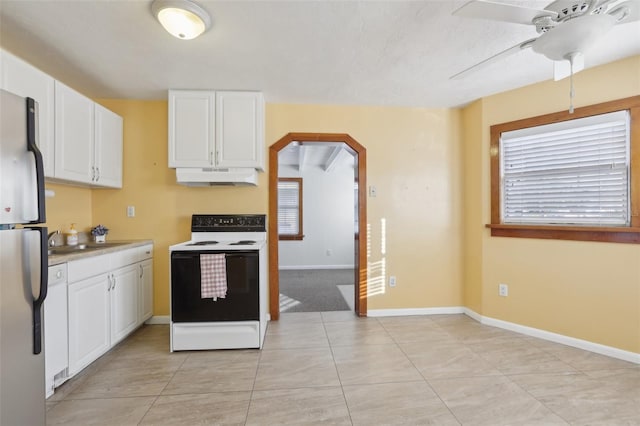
[
  {"x": 114, "y": 282},
  {"x": 141, "y": 270},
  {"x": 93, "y": 174},
  {"x": 59, "y": 274},
  {"x": 211, "y": 158},
  {"x": 97, "y": 174},
  {"x": 109, "y": 278}
]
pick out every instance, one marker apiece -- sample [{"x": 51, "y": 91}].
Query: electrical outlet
[
  {"x": 373, "y": 191},
  {"x": 392, "y": 281},
  {"x": 503, "y": 290},
  {"x": 131, "y": 211}
]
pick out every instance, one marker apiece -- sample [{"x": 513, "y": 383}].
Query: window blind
[
  {"x": 288, "y": 208},
  {"x": 573, "y": 173}
]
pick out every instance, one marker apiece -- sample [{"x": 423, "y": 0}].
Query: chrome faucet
[{"x": 50, "y": 238}]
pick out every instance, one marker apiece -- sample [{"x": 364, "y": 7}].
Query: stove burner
[
  {"x": 243, "y": 243},
  {"x": 203, "y": 243}
]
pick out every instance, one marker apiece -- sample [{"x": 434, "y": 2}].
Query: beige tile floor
[{"x": 334, "y": 368}]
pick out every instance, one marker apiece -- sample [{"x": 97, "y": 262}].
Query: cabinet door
[
  {"x": 73, "y": 135},
  {"x": 191, "y": 128},
  {"x": 89, "y": 318},
  {"x": 240, "y": 129},
  {"x": 124, "y": 302},
  {"x": 145, "y": 291},
  {"x": 24, "y": 80},
  {"x": 108, "y": 148}
]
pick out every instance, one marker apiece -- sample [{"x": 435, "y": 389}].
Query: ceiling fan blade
[
  {"x": 495, "y": 58},
  {"x": 562, "y": 69},
  {"x": 501, "y": 12},
  {"x": 628, "y": 11}
]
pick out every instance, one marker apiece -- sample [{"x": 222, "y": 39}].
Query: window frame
[
  {"x": 300, "y": 235},
  {"x": 617, "y": 234}
]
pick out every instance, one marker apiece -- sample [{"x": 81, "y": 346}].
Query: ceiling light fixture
[{"x": 183, "y": 19}]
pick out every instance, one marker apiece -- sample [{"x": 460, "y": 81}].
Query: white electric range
[{"x": 238, "y": 320}]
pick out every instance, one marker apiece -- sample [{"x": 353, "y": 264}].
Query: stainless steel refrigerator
[{"x": 23, "y": 264}]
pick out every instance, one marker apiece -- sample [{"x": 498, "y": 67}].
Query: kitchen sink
[{"x": 62, "y": 250}]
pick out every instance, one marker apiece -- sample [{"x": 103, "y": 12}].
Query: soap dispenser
[{"x": 72, "y": 236}]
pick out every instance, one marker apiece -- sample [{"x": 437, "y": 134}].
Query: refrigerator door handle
[
  {"x": 42, "y": 294},
  {"x": 32, "y": 146}
]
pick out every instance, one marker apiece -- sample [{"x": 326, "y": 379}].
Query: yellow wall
[
  {"x": 163, "y": 208},
  {"x": 419, "y": 192},
  {"x": 585, "y": 290},
  {"x": 472, "y": 207},
  {"x": 431, "y": 170},
  {"x": 70, "y": 204},
  {"x": 414, "y": 161}
]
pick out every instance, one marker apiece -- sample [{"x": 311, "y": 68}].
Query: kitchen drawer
[
  {"x": 145, "y": 252},
  {"x": 89, "y": 267},
  {"x": 57, "y": 274},
  {"x": 124, "y": 258}
]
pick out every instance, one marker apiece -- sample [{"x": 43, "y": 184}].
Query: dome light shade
[{"x": 182, "y": 19}]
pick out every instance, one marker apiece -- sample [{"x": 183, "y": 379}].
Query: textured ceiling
[{"x": 322, "y": 52}]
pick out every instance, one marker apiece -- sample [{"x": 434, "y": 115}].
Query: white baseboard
[
  {"x": 414, "y": 311},
  {"x": 472, "y": 314},
  {"x": 307, "y": 267},
  {"x": 158, "y": 319},
  {"x": 559, "y": 338},
  {"x": 521, "y": 329}
]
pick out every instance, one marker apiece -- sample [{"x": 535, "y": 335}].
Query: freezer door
[
  {"x": 22, "y": 388},
  {"x": 21, "y": 166}
]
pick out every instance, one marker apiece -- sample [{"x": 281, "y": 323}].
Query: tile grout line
[
  {"x": 335, "y": 366},
  {"x": 255, "y": 377},
  {"x": 155, "y": 399},
  {"x": 422, "y": 375}
]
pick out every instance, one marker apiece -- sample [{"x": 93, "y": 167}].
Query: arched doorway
[{"x": 360, "y": 254}]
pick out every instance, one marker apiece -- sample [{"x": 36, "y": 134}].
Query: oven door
[{"x": 243, "y": 297}]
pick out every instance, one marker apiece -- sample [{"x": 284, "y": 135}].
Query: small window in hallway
[{"x": 290, "y": 209}]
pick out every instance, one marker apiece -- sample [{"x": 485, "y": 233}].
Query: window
[
  {"x": 290, "y": 208},
  {"x": 569, "y": 176}
]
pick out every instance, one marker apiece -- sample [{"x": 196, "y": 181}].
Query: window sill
[
  {"x": 290, "y": 237},
  {"x": 576, "y": 233}
]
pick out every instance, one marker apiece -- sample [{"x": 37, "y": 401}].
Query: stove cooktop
[{"x": 203, "y": 243}]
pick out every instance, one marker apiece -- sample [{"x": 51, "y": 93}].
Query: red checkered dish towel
[{"x": 213, "y": 276}]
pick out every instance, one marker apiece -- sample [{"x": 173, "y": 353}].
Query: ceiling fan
[{"x": 567, "y": 28}]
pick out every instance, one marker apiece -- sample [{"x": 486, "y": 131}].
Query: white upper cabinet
[
  {"x": 25, "y": 80},
  {"x": 240, "y": 129},
  {"x": 74, "y": 135},
  {"x": 88, "y": 140},
  {"x": 108, "y": 148},
  {"x": 209, "y": 129},
  {"x": 80, "y": 141},
  {"x": 191, "y": 128}
]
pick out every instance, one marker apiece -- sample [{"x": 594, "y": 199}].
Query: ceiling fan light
[
  {"x": 576, "y": 35},
  {"x": 182, "y": 19}
]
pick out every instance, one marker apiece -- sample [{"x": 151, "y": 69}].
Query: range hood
[{"x": 211, "y": 177}]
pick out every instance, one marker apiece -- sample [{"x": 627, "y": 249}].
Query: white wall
[{"x": 328, "y": 218}]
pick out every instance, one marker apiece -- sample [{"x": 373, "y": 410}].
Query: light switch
[
  {"x": 131, "y": 211},
  {"x": 372, "y": 191}
]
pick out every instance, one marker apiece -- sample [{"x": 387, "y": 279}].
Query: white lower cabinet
[
  {"x": 124, "y": 302},
  {"x": 145, "y": 290},
  {"x": 89, "y": 321},
  {"x": 109, "y": 296}
]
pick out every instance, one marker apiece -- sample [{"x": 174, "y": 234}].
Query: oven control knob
[{"x": 240, "y": 221}]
